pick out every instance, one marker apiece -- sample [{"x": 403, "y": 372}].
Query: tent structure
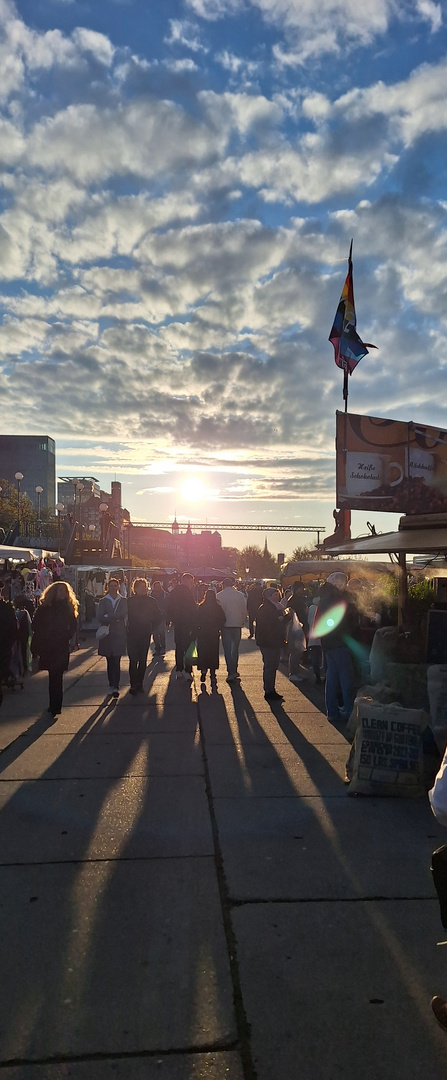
[
  {"x": 313, "y": 569},
  {"x": 19, "y": 554},
  {"x": 417, "y": 535},
  {"x": 210, "y": 573}
]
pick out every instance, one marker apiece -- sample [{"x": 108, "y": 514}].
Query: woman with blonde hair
[{"x": 54, "y": 624}]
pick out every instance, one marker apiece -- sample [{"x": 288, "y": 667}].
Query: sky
[{"x": 180, "y": 182}]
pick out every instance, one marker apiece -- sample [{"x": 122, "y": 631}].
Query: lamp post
[
  {"x": 91, "y": 530},
  {"x": 19, "y": 477},
  {"x": 103, "y": 507},
  {"x": 60, "y": 508},
  {"x": 75, "y": 486},
  {"x": 39, "y": 491},
  {"x": 80, "y": 489}
]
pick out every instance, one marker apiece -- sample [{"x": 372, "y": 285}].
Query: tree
[
  {"x": 259, "y": 564},
  {"x": 9, "y": 506},
  {"x": 301, "y": 554}
]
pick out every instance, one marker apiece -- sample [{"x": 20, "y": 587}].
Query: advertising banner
[{"x": 390, "y": 465}]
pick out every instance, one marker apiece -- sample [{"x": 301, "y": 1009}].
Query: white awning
[
  {"x": 406, "y": 541},
  {"x": 20, "y": 554}
]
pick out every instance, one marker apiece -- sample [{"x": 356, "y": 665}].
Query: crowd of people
[{"x": 309, "y": 634}]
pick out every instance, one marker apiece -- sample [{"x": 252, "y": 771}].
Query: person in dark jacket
[
  {"x": 24, "y": 631},
  {"x": 8, "y": 636},
  {"x": 143, "y": 616},
  {"x": 335, "y": 604},
  {"x": 182, "y": 612},
  {"x": 162, "y": 597},
  {"x": 271, "y": 623},
  {"x": 112, "y": 612},
  {"x": 299, "y": 605},
  {"x": 53, "y": 626},
  {"x": 254, "y": 601},
  {"x": 211, "y": 619}
]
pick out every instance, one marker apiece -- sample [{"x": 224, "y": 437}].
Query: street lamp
[
  {"x": 19, "y": 477},
  {"x": 76, "y": 484},
  {"x": 60, "y": 508},
  {"x": 80, "y": 489},
  {"x": 103, "y": 507},
  {"x": 39, "y": 491}
]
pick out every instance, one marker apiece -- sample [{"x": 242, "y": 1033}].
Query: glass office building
[{"x": 35, "y": 457}]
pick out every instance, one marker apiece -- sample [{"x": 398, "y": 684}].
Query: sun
[{"x": 193, "y": 489}]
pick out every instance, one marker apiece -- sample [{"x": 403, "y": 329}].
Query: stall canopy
[
  {"x": 19, "y": 554},
  {"x": 211, "y": 572},
  {"x": 309, "y": 570},
  {"x": 406, "y": 541},
  {"x": 417, "y": 535}
]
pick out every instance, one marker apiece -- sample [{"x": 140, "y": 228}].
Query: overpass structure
[
  {"x": 225, "y": 527},
  {"x": 234, "y": 528}
]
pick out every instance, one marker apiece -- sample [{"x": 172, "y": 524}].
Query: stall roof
[
  {"x": 322, "y": 568},
  {"x": 407, "y": 541},
  {"x": 25, "y": 554}
]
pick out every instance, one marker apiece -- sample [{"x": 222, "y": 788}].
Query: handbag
[
  {"x": 102, "y": 632},
  {"x": 438, "y": 868},
  {"x": 191, "y": 654}
]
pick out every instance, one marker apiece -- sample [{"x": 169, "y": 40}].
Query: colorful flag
[{"x": 348, "y": 347}]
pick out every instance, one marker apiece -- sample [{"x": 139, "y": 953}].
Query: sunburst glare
[{"x": 193, "y": 489}]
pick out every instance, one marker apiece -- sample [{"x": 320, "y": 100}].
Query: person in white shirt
[
  {"x": 234, "y": 605},
  {"x": 112, "y": 612}
]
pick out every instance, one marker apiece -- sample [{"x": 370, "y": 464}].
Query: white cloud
[
  {"x": 97, "y": 44},
  {"x": 311, "y": 173},
  {"x": 430, "y": 11},
  {"x": 414, "y": 106},
  {"x": 143, "y": 137},
  {"x": 216, "y": 9},
  {"x": 318, "y": 27},
  {"x": 134, "y": 283},
  {"x": 181, "y": 65},
  {"x": 185, "y": 33},
  {"x": 240, "y": 112},
  {"x": 24, "y": 51}
]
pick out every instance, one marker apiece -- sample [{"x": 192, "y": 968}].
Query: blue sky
[{"x": 180, "y": 182}]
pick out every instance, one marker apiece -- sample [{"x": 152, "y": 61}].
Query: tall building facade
[{"x": 35, "y": 457}]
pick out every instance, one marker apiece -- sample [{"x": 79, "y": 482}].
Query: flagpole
[
  {"x": 345, "y": 387},
  {"x": 345, "y": 369}
]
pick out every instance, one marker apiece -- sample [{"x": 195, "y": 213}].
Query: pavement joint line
[
  {"x": 60, "y": 1059},
  {"x": 329, "y": 900},
  {"x": 107, "y": 859},
  {"x": 242, "y": 1024},
  {"x": 114, "y": 776}
]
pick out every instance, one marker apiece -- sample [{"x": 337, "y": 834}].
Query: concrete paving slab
[
  {"x": 252, "y": 691},
  {"x": 342, "y": 990},
  {"x": 88, "y": 690},
  {"x": 134, "y": 818},
  {"x": 223, "y": 724},
  {"x": 113, "y": 755},
  {"x": 217, "y": 1066},
  {"x": 152, "y": 716},
  {"x": 11, "y": 729},
  {"x": 277, "y": 770},
  {"x": 332, "y": 848},
  {"x": 116, "y": 956}
]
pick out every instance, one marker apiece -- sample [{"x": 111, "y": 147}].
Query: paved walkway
[{"x": 188, "y": 892}]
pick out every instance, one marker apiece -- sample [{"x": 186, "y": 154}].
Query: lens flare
[
  {"x": 329, "y": 620},
  {"x": 193, "y": 489}
]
